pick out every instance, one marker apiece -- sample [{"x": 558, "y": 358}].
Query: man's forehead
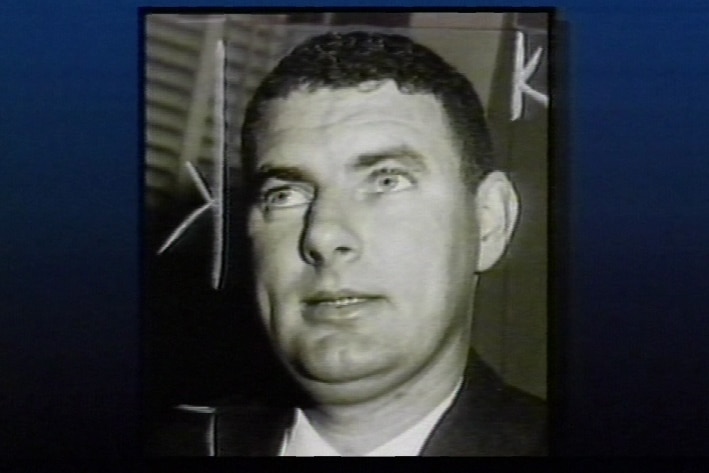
[{"x": 371, "y": 101}]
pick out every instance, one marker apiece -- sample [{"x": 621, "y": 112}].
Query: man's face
[{"x": 365, "y": 241}]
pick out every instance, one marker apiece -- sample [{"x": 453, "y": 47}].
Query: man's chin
[
  {"x": 341, "y": 388},
  {"x": 341, "y": 368},
  {"x": 341, "y": 361},
  {"x": 341, "y": 377}
]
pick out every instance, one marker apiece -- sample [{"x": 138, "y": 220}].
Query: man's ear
[{"x": 497, "y": 207}]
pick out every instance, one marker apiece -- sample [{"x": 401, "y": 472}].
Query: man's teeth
[{"x": 344, "y": 301}]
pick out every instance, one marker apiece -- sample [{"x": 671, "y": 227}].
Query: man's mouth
[
  {"x": 339, "y": 305},
  {"x": 343, "y": 301},
  {"x": 339, "y": 297}
]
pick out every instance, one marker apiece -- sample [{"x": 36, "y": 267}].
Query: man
[{"x": 374, "y": 208}]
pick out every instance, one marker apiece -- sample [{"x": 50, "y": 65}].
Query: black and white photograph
[{"x": 346, "y": 227}]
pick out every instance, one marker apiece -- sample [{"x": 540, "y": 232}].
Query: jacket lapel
[{"x": 488, "y": 418}]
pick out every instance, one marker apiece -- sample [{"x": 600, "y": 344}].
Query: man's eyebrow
[
  {"x": 403, "y": 154},
  {"x": 283, "y": 173}
]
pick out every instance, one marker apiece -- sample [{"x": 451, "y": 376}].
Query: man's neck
[{"x": 360, "y": 428}]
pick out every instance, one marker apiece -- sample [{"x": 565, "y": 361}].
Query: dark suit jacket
[{"x": 487, "y": 418}]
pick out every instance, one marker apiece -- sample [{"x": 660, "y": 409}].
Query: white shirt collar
[{"x": 302, "y": 440}]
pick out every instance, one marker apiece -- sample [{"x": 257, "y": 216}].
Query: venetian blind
[{"x": 179, "y": 91}]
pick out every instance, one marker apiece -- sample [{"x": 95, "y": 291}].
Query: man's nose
[{"x": 329, "y": 236}]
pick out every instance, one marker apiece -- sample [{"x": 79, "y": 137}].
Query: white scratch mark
[
  {"x": 215, "y": 201},
  {"x": 220, "y": 167},
  {"x": 521, "y": 74}
]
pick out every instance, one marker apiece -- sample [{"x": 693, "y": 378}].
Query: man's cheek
[
  {"x": 274, "y": 246},
  {"x": 413, "y": 243}
]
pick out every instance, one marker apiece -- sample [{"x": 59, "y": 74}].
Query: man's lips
[
  {"x": 337, "y": 305},
  {"x": 343, "y": 297}
]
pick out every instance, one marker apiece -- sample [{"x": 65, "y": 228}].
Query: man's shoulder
[
  {"x": 508, "y": 404},
  {"x": 487, "y": 418},
  {"x": 490, "y": 418},
  {"x": 222, "y": 428},
  {"x": 184, "y": 430}
]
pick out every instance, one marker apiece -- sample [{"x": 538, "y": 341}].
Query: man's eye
[
  {"x": 390, "y": 180},
  {"x": 286, "y": 196}
]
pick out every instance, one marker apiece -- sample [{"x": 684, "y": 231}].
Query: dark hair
[{"x": 341, "y": 60}]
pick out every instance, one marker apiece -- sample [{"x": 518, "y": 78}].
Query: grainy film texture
[{"x": 199, "y": 331}]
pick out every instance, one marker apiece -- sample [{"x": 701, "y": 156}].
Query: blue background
[{"x": 633, "y": 348}]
